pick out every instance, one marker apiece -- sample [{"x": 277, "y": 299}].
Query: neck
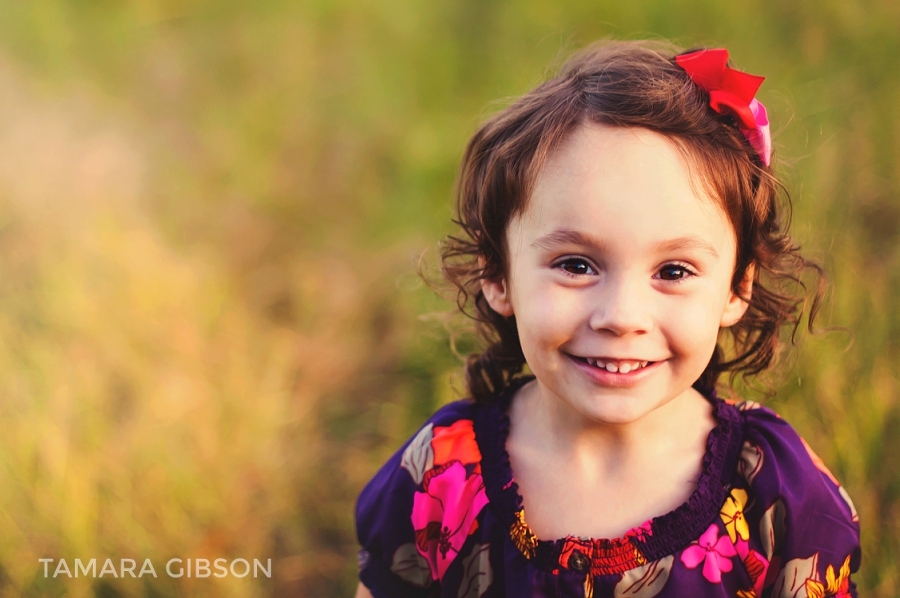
[{"x": 555, "y": 426}]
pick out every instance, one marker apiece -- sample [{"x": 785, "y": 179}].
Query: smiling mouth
[{"x": 615, "y": 366}]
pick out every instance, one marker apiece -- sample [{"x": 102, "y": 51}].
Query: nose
[{"x": 622, "y": 307}]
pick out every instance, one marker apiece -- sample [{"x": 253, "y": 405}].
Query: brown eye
[
  {"x": 576, "y": 266},
  {"x": 673, "y": 272}
]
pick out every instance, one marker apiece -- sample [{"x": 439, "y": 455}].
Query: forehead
[{"x": 621, "y": 183}]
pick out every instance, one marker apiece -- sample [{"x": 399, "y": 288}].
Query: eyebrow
[
  {"x": 566, "y": 237},
  {"x": 687, "y": 244},
  {"x": 574, "y": 237}
]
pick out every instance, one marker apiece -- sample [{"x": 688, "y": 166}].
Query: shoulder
[
  {"x": 797, "y": 512},
  {"x": 433, "y": 478},
  {"x": 785, "y": 462},
  {"x": 445, "y": 434}
]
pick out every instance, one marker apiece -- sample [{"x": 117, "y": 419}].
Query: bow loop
[{"x": 731, "y": 92}]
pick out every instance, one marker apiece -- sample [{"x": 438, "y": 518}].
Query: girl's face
[{"x": 619, "y": 274}]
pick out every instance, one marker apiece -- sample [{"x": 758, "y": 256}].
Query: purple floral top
[{"x": 444, "y": 517}]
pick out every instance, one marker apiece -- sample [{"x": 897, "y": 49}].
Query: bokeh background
[{"x": 212, "y": 332}]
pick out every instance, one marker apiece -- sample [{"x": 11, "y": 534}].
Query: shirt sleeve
[
  {"x": 389, "y": 563},
  {"x": 808, "y": 529}
]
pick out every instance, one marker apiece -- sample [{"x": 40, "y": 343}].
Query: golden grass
[{"x": 208, "y": 219}]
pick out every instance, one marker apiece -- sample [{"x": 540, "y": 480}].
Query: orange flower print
[
  {"x": 833, "y": 587},
  {"x": 732, "y": 514},
  {"x": 456, "y": 443}
]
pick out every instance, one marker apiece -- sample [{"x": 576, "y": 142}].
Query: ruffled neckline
[{"x": 665, "y": 534}]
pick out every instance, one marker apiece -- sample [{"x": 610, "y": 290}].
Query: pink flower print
[
  {"x": 445, "y": 514},
  {"x": 646, "y": 528},
  {"x": 714, "y": 552}
]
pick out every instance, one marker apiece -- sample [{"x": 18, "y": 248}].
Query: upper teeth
[{"x": 622, "y": 367}]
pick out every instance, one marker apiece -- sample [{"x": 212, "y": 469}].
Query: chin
[{"x": 615, "y": 414}]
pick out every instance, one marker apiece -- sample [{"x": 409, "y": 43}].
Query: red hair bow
[{"x": 731, "y": 92}]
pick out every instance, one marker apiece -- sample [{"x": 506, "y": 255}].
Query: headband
[{"x": 731, "y": 92}]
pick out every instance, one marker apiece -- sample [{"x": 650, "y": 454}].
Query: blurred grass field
[{"x": 211, "y": 329}]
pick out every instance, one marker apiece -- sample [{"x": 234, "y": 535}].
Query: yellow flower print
[
  {"x": 732, "y": 514},
  {"x": 522, "y": 536},
  {"x": 832, "y": 588}
]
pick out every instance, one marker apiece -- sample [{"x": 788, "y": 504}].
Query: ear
[
  {"x": 738, "y": 303},
  {"x": 497, "y": 295}
]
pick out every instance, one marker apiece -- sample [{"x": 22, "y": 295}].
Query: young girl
[{"x": 622, "y": 238}]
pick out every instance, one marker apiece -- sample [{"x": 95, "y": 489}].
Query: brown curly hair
[{"x": 626, "y": 84}]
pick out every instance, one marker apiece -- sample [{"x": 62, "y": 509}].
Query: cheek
[
  {"x": 693, "y": 326},
  {"x": 547, "y": 320}
]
